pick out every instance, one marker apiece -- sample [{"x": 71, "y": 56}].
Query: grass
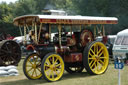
[{"x": 110, "y": 77}]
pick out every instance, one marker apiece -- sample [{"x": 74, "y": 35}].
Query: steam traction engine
[{"x": 65, "y": 49}]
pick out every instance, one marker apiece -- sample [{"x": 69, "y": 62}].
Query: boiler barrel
[{"x": 45, "y": 49}]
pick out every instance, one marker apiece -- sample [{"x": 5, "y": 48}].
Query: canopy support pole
[
  {"x": 99, "y": 29},
  {"x": 71, "y": 30},
  {"x": 59, "y": 28},
  {"x": 95, "y": 31},
  {"x": 20, "y": 31},
  {"x": 36, "y": 33},
  {"x": 39, "y": 32},
  {"x": 103, "y": 30},
  {"x": 50, "y": 32},
  {"x": 25, "y": 34},
  {"x": 27, "y": 27}
]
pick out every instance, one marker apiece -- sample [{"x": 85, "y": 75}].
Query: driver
[{"x": 44, "y": 35}]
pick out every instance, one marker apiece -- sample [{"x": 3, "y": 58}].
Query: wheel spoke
[
  {"x": 48, "y": 61},
  {"x": 7, "y": 47},
  {"x": 11, "y": 46},
  {"x": 39, "y": 63},
  {"x": 4, "y": 51},
  {"x": 4, "y": 57},
  {"x": 46, "y": 65},
  {"x": 100, "y": 54},
  {"x": 91, "y": 58},
  {"x": 97, "y": 65},
  {"x": 33, "y": 72},
  {"x": 53, "y": 60},
  {"x": 38, "y": 69},
  {"x": 58, "y": 69},
  {"x": 28, "y": 66},
  {"x": 100, "y": 50},
  {"x": 29, "y": 69},
  {"x": 9, "y": 58},
  {"x": 56, "y": 73},
  {"x": 90, "y": 54},
  {"x": 29, "y": 61},
  {"x": 47, "y": 69},
  {"x": 16, "y": 54},
  {"x": 97, "y": 49},
  {"x": 101, "y": 62},
  {"x": 52, "y": 74},
  {"x": 103, "y": 58},
  {"x": 58, "y": 65},
  {"x": 94, "y": 48},
  {"x": 93, "y": 64},
  {"x": 13, "y": 59},
  {"x": 92, "y": 51}
]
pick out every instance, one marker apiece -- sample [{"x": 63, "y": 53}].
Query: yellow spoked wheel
[
  {"x": 95, "y": 58},
  {"x": 52, "y": 67},
  {"x": 32, "y": 66}
]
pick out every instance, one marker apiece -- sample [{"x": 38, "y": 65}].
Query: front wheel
[
  {"x": 32, "y": 66},
  {"x": 95, "y": 58},
  {"x": 52, "y": 67}
]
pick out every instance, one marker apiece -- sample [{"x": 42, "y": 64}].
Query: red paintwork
[
  {"x": 73, "y": 57},
  {"x": 105, "y": 39},
  {"x": 69, "y": 21},
  {"x": 30, "y": 47}
]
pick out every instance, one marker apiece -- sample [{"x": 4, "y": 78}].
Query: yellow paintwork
[
  {"x": 33, "y": 68},
  {"x": 53, "y": 67},
  {"x": 98, "y": 58}
]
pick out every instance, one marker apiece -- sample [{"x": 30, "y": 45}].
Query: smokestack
[{"x": 49, "y": 7}]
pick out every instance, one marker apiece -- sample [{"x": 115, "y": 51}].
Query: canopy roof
[{"x": 56, "y": 19}]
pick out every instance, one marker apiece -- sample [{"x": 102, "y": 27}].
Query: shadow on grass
[
  {"x": 66, "y": 76},
  {"x": 76, "y": 75}
]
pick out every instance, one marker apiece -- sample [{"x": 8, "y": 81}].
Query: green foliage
[
  {"x": 24, "y": 7},
  {"x": 6, "y": 17}
]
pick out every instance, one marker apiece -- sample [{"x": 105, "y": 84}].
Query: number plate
[{"x": 119, "y": 65}]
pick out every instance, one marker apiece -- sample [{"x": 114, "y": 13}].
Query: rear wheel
[
  {"x": 52, "y": 67},
  {"x": 95, "y": 58},
  {"x": 32, "y": 66}
]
